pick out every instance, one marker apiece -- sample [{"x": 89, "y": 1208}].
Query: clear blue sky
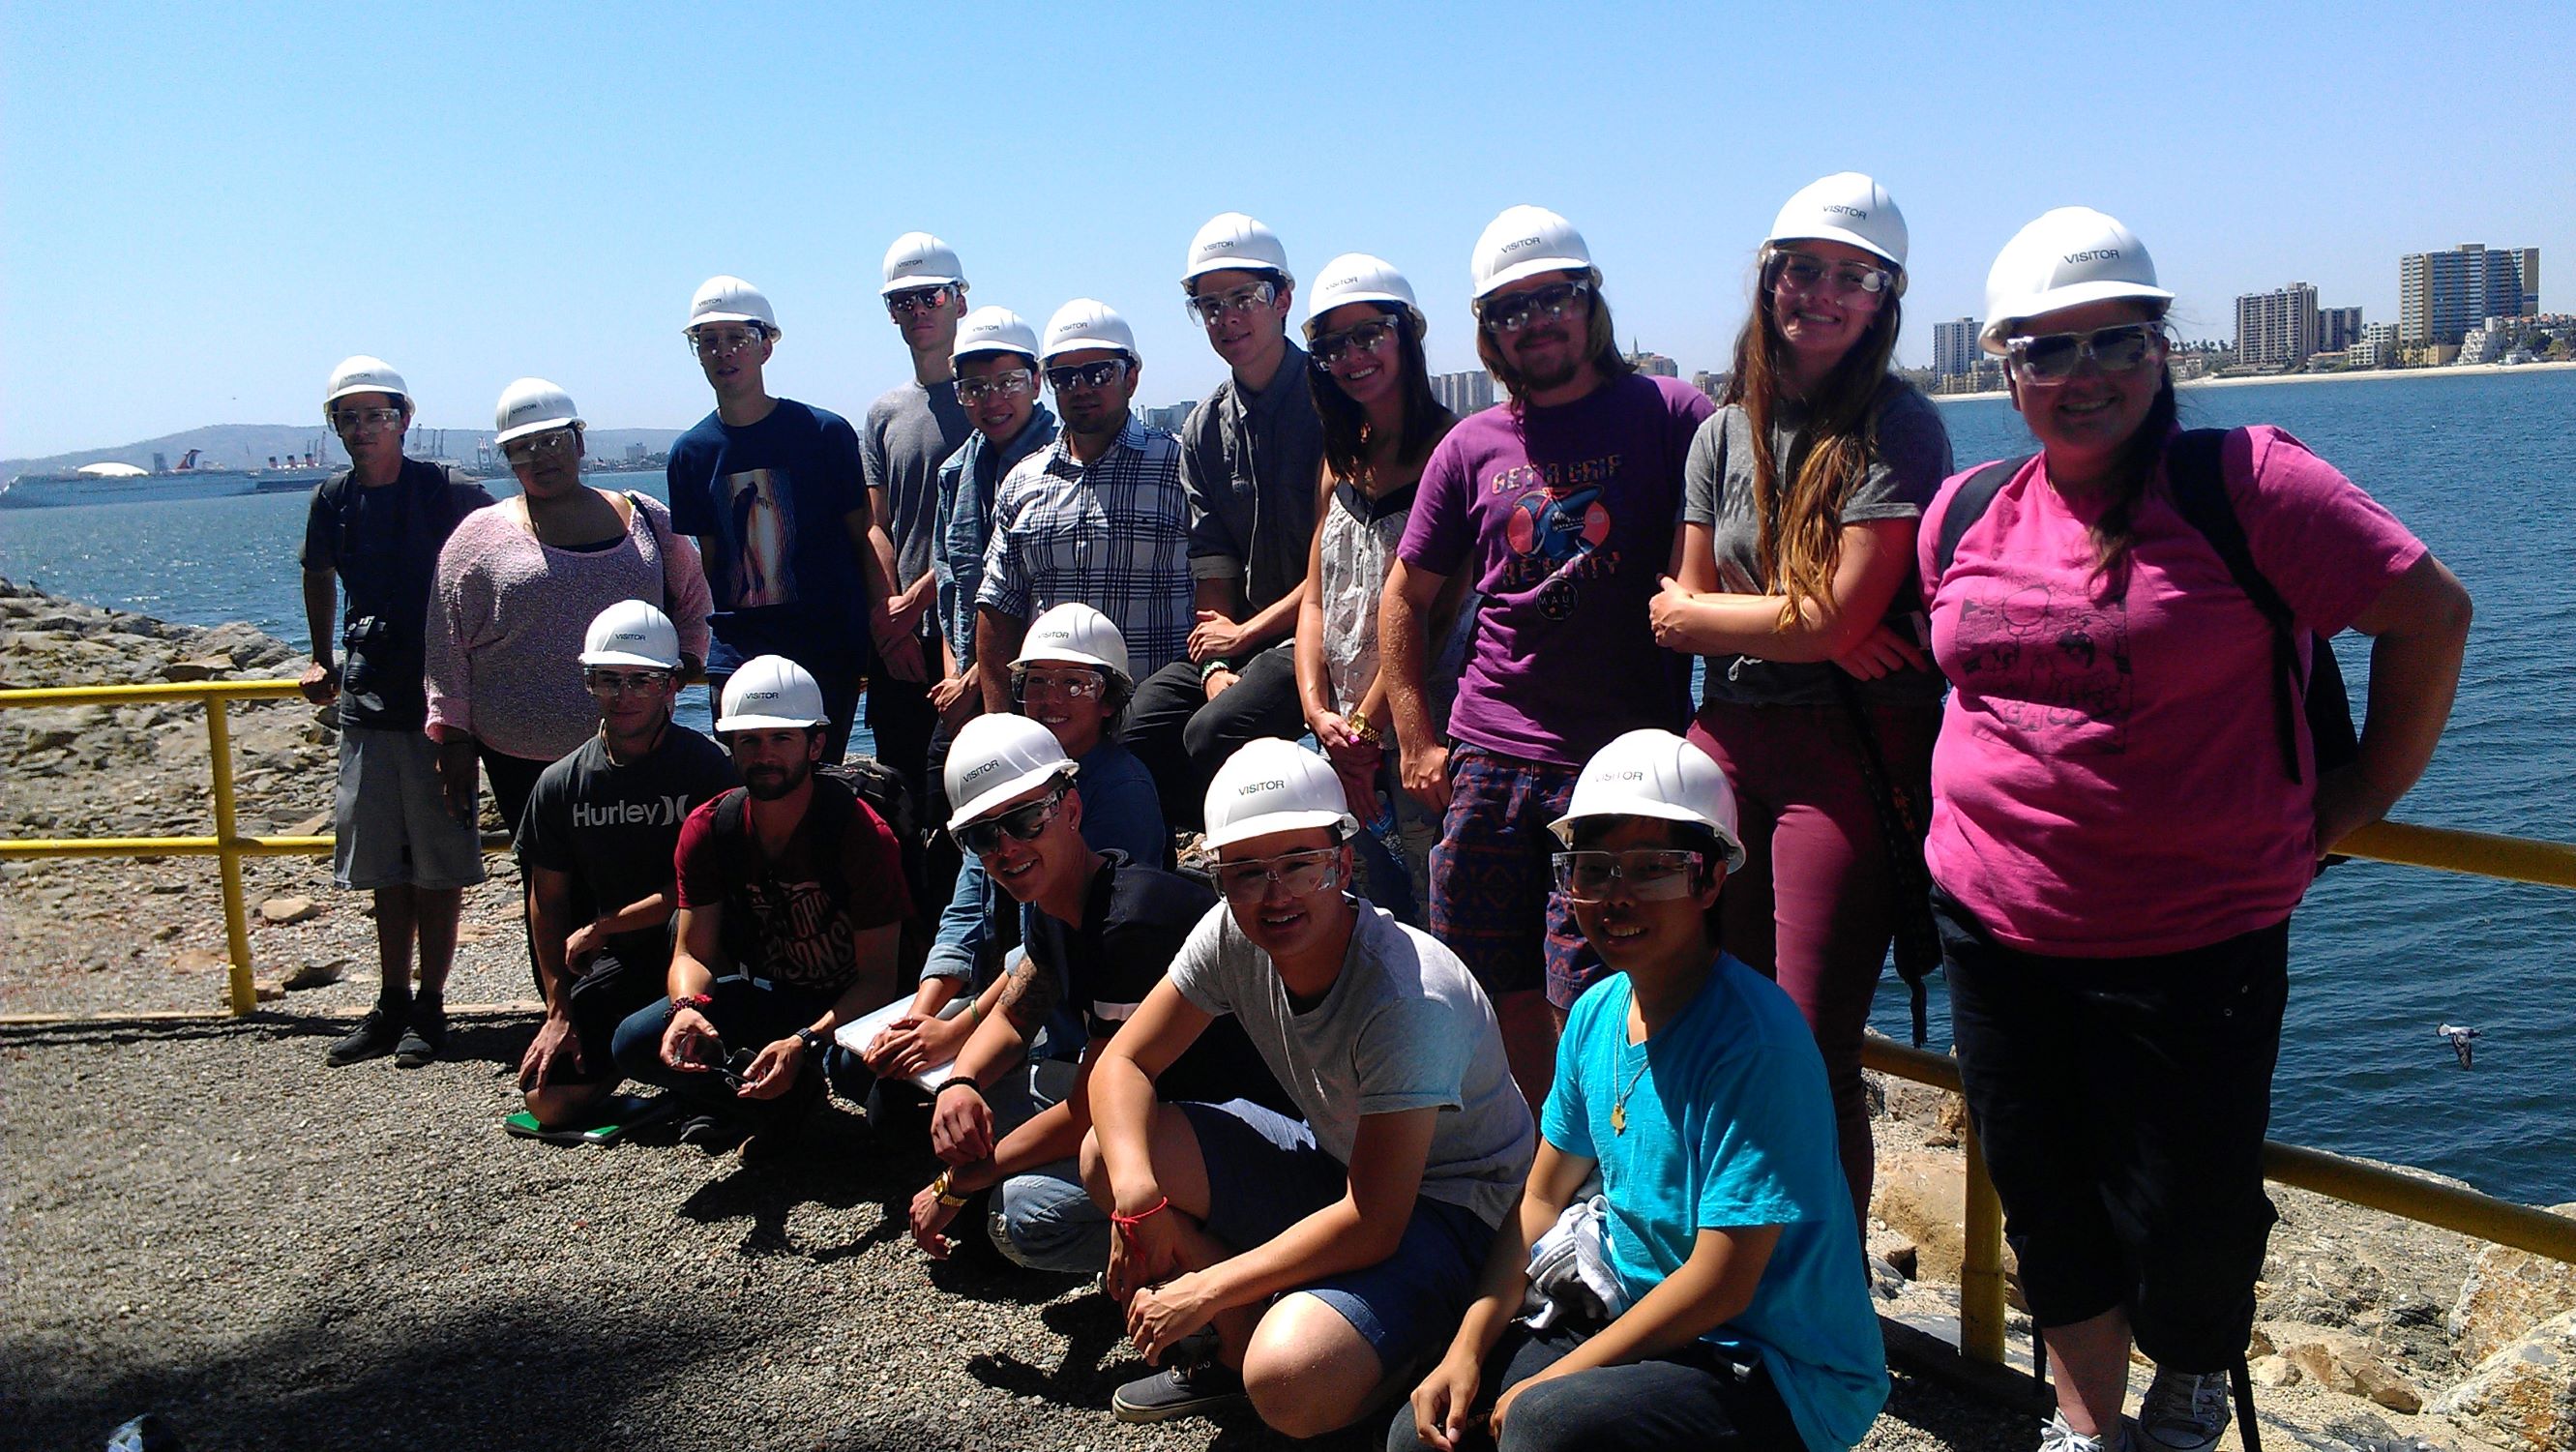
[{"x": 202, "y": 208}]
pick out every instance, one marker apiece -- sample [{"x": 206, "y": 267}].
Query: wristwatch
[{"x": 815, "y": 1042}]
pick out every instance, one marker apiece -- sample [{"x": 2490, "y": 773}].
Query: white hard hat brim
[
  {"x": 1062, "y": 656},
  {"x": 1269, "y": 822},
  {"x": 702, "y": 319},
  {"x": 912, "y": 280},
  {"x": 347, "y": 389},
  {"x": 540, "y": 426},
  {"x": 985, "y": 801},
  {"x": 625, "y": 658},
  {"x": 980, "y": 348},
  {"x": 1848, "y": 238},
  {"x": 767, "y": 723},
  {"x": 2058, "y": 299},
  {"x": 1563, "y": 826},
  {"x": 1532, "y": 267},
  {"x": 1315, "y": 319},
  {"x": 1063, "y": 346}
]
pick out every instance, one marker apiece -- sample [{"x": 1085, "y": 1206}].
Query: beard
[{"x": 769, "y": 783}]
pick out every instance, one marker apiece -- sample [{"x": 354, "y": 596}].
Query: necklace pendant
[{"x": 1619, "y": 1117}]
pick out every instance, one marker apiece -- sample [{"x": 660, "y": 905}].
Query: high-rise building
[
  {"x": 2337, "y": 329},
  {"x": 2277, "y": 329},
  {"x": 2374, "y": 347},
  {"x": 1464, "y": 393},
  {"x": 1170, "y": 416},
  {"x": 2441, "y": 295},
  {"x": 1711, "y": 384},
  {"x": 1954, "y": 348}
]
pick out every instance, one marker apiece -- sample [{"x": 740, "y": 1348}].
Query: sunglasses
[
  {"x": 1514, "y": 311},
  {"x": 1205, "y": 311},
  {"x": 1649, "y": 874},
  {"x": 1023, "y": 823},
  {"x": 1369, "y": 337},
  {"x": 1008, "y": 381},
  {"x": 1085, "y": 375},
  {"x": 2054, "y": 357},
  {"x": 539, "y": 446},
  {"x": 919, "y": 299},
  {"x": 1799, "y": 272},
  {"x": 1297, "y": 873}
]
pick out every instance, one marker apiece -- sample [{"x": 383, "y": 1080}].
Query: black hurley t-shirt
[
  {"x": 615, "y": 830},
  {"x": 1134, "y": 920}
]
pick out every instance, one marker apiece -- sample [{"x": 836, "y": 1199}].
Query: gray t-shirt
[
  {"x": 911, "y": 432},
  {"x": 1404, "y": 1027},
  {"x": 1908, "y": 460},
  {"x": 1250, "y": 463}
]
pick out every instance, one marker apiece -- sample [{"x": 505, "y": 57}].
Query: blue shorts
[{"x": 1265, "y": 1173}]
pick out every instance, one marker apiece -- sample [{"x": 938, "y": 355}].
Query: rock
[
  {"x": 2273, "y": 1371},
  {"x": 283, "y": 910},
  {"x": 316, "y": 975},
  {"x": 2337, "y": 1361},
  {"x": 1949, "y": 1124},
  {"x": 2509, "y": 1292},
  {"x": 200, "y": 960},
  {"x": 204, "y": 668},
  {"x": 1895, "y": 1248},
  {"x": 268, "y": 990},
  {"x": 312, "y": 826},
  {"x": 1921, "y": 1196},
  {"x": 2524, "y": 1395}
]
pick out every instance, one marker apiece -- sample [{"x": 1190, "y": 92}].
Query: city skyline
[{"x": 475, "y": 207}]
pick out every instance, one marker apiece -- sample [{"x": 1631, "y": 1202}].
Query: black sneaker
[
  {"x": 1179, "y": 1392},
  {"x": 424, "y": 1034},
  {"x": 709, "y": 1132},
  {"x": 373, "y": 1038}
]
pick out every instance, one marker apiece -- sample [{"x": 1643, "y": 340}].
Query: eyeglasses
[
  {"x": 920, "y": 299},
  {"x": 1799, "y": 272},
  {"x": 1649, "y": 874},
  {"x": 350, "y": 420},
  {"x": 1025, "y": 683},
  {"x": 1368, "y": 337},
  {"x": 707, "y": 343},
  {"x": 1008, "y": 381},
  {"x": 1023, "y": 823},
  {"x": 1085, "y": 375},
  {"x": 539, "y": 446},
  {"x": 1517, "y": 310},
  {"x": 2054, "y": 357},
  {"x": 1297, "y": 873},
  {"x": 1205, "y": 311},
  {"x": 622, "y": 683}
]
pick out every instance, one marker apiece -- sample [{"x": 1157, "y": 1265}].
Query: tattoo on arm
[{"x": 1029, "y": 995}]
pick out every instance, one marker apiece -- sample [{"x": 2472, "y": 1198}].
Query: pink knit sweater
[{"x": 508, "y": 614}]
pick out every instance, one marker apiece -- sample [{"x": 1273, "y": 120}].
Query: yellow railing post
[
  {"x": 219, "y": 747},
  {"x": 1981, "y": 1259}
]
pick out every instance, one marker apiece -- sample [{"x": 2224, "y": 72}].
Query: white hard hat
[
  {"x": 997, "y": 757},
  {"x": 1270, "y": 785},
  {"x": 1654, "y": 773},
  {"x": 1077, "y": 633},
  {"x": 1356, "y": 277},
  {"x": 730, "y": 300},
  {"x": 1524, "y": 241},
  {"x": 1232, "y": 241},
  {"x": 2067, "y": 258},
  {"x": 918, "y": 259},
  {"x": 994, "y": 330},
  {"x": 771, "y": 693},
  {"x": 362, "y": 374},
  {"x": 532, "y": 406},
  {"x": 1083, "y": 323},
  {"x": 1846, "y": 207},
  {"x": 631, "y": 633}
]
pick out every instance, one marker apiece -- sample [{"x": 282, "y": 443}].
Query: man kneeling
[
  {"x": 1326, "y": 1254},
  {"x": 1738, "y": 1312}
]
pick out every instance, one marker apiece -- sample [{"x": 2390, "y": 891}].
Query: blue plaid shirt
[{"x": 1113, "y": 534}]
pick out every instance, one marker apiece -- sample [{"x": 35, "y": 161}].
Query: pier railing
[{"x": 1981, "y": 1274}]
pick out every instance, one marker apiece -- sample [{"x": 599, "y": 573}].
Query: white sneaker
[
  {"x": 2059, "y": 1437},
  {"x": 2183, "y": 1412}
]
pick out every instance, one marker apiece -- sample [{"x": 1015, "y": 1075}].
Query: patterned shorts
[{"x": 1493, "y": 895}]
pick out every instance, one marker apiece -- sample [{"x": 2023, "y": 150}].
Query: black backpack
[
  {"x": 836, "y": 790},
  {"x": 2194, "y": 473}
]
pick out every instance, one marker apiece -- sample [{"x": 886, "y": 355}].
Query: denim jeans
[
  {"x": 1042, "y": 1218},
  {"x": 1691, "y": 1400},
  {"x": 746, "y": 1017}
]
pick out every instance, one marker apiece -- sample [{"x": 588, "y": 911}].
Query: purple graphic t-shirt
[{"x": 1564, "y": 518}]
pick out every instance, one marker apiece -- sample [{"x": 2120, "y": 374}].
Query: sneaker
[
  {"x": 1178, "y": 1391},
  {"x": 424, "y": 1034},
  {"x": 2183, "y": 1412},
  {"x": 2059, "y": 1437},
  {"x": 708, "y": 1132},
  {"x": 373, "y": 1038}
]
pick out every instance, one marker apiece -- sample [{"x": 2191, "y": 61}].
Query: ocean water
[{"x": 2480, "y": 466}]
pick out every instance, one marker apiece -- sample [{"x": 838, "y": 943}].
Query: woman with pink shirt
[
  {"x": 519, "y": 581},
  {"x": 2127, "y": 806}
]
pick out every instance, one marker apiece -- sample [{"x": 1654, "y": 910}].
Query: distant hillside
[{"x": 251, "y": 446}]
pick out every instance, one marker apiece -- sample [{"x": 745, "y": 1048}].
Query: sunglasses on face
[
  {"x": 2054, "y": 357},
  {"x": 1206, "y": 311},
  {"x": 1369, "y": 337},
  {"x": 1298, "y": 874},
  {"x": 708, "y": 343},
  {"x": 1023, "y": 823},
  {"x": 1085, "y": 375},
  {"x": 919, "y": 300},
  {"x": 1000, "y": 385},
  {"x": 1799, "y": 272},
  {"x": 1514, "y": 311},
  {"x": 540, "y": 446},
  {"x": 1649, "y": 874},
  {"x": 351, "y": 420}
]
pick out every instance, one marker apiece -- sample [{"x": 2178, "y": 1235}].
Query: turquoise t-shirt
[{"x": 1728, "y": 1124}]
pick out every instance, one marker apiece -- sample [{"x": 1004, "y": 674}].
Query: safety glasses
[
  {"x": 1008, "y": 382},
  {"x": 983, "y": 837},
  {"x": 1514, "y": 311},
  {"x": 919, "y": 299},
  {"x": 1080, "y": 684},
  {"x": 2054, "y": 357},
  {"x": 610, "y": 684},
  {"x": 1085, "y": 375},
  {"x": 351, "y": 420},
  {"x": 550, "y": 445},
  {"x": 1207, "y": 311},
  {"x": 1297, "y": 873},
  {"x": 1370, "y": 337},
  {"x": 1649, "y": 874},
  {"x": 1799, "y": 272},
  {"x": 710, "y": 343}
]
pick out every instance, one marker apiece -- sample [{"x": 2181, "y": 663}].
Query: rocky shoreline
[{"x": 2373, "y": 1333}]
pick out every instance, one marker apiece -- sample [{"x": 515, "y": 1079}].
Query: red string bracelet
[{"x": 1130, "y": 1222}]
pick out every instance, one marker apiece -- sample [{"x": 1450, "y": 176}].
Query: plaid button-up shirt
[{"x": 1113, "y": 534}]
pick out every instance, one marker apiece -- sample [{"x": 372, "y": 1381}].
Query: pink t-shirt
[{"x": 2108, "y": 781}]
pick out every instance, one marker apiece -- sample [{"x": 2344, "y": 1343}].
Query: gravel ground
[{"x": 202, "y": 1221}]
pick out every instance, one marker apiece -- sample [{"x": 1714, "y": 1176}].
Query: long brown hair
[
  {"x": 1600, "y": 339},
  {"x": 1346, "y": 423},
  {"x": 1798, "y": 529}
]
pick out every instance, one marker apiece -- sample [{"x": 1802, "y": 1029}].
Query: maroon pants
[{"x": 1815, "y": 904}]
